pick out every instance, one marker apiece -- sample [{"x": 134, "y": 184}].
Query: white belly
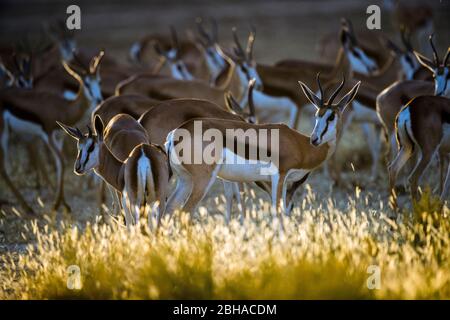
[
  {"x": 236, "y": 168},
  {"x": 23, "y": 127}
]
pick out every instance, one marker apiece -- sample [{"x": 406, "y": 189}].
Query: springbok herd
[{"x": 134, "y": 111}]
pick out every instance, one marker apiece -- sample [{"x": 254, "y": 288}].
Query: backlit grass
[{"x": 324, "y": 252}]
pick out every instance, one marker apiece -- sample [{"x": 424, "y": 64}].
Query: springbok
[
  {"x": 297, "y": 154},
  {"x": 208, "y": 43},
  {"x": 141, "y": 179},
  {"x": 186, "y": 51},
  {"x": 19, "y": 113},
  {"x": 410, "y": 66},
  {"x": 171, "y": 55},
  {"x": 242, "y": 70},
  {"x": 423, "y": 125},
  {"x": 390, "y": 100}
]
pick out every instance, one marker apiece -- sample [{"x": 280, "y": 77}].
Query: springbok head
[
  {"x": 89, "y": 74},
  {"x": 328, "y": 115},
  {"x": 359, "y": 60},
  {"x": 405, "y": 55},
  {"x": 88, "y": 145},
  {"x": 440, "y": 70},
  {"x": 172, "y": 56},
  {"x": 209, "y": 45},
  {"x": 246, "y": 65},
  {"x": 64, "y": 38},
  {"x": 238, "y": 108}
]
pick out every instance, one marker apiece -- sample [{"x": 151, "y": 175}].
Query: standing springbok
[
  {"x": 423, "y": 125},
  {"x": 141, "y": 179},
  {"x": 34, "y": 114},
  {"x": 297, "y": 154},
  {"x": 393, "y": 98}
]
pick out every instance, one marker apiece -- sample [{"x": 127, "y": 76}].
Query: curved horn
[
  {"x": 336, "y": 92},
  {"x": 435, "y": 54},
  {"x": 320, "y": 87},
  {"x": 239, "y": 50},
  {"x": 250, "y": 42},
  {"x": 447, "y": 55},
  {"x": 201, "y": 30},
  {"x": 406, "y": 38}
]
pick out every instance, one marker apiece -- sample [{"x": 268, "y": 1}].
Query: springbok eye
[
  {"x": 91, "y": 148},
  {"x": 331, "y": 117}
]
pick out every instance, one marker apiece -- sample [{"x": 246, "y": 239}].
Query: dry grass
[{"x": 324, "y": 253}]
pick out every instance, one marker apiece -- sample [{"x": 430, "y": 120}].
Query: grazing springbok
[
  {"x": 141, "y": 179},
  {"x": 242, "y": 70},
  {"x": 296, "y": 154},
  {"x": 171, "y": 55},
  {"x": 33, "y": 113},
  {"x": 208, "y": 43}
]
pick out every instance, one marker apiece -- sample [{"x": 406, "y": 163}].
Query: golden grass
[{"x": 324, "y": 252}]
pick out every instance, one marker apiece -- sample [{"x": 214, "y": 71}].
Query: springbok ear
[
  {"x": 98, "y": 126},
  {"x": 424, "y": 61},
  {"x": 73, "y": 132},
  {"x": 311, "y": 95},
  {"x": 345, "y": 101},
  {"x": 446, "y": 58}
]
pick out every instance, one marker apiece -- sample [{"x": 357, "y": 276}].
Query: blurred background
[{"x": 285, "y": 29}]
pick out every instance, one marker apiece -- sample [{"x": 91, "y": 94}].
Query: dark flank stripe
[{"x": 24, "y": 115}]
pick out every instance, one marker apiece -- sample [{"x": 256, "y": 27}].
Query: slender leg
[
  {"x": 417, "y": 172},
  {"x": 4, "y": 174},
  {"x": 275, "y": 182},
  {"x": 237, "y": 187},
  {"x": 394, "y": 168},
  {"x": 228, "y": 191},
  {"x": 59, "y": 199},
  {"x": 126, "y": 208},
  {"x": 277, "y": 188},
  {"x": 446, "y": 186},
  {"x": 443, "y": 163},
  {"x": 179, "y": 196},
  {"x": 200, "y": 188}
]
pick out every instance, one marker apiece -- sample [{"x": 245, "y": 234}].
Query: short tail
[
  {"x": 403, "y": 130},
  {"x": 145, "y": 181}
]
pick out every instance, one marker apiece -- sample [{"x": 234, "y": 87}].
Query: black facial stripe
[
  {"x": 329, "y": 119},
  {"x": 88, "y": 153},
  {"x": 324, "y": 131}
]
